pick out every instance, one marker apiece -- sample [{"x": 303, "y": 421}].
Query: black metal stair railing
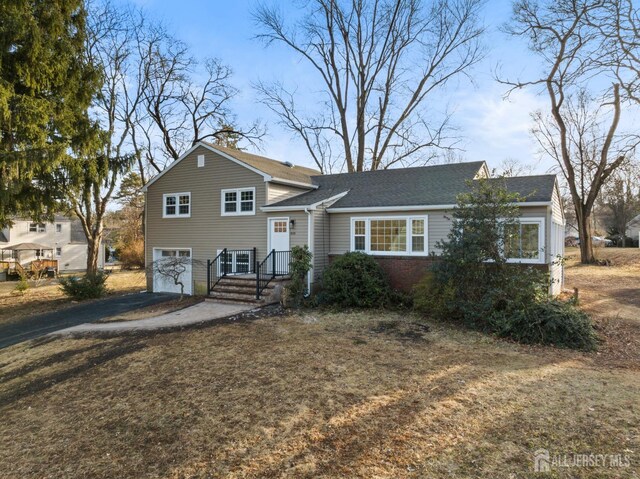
[
  {"x": 229, "y": 262},
  {"x": 275, "y": 264}
]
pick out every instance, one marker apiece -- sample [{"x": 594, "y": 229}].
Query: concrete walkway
[{"x": 198, "y": 313}]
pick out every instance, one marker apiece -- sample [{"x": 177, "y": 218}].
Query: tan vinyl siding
[
  {"x": 321, "y": 240},
  {"x": 439, "y": 225},
  {"x": 277, "y": 192},
  {"x": 206, "y": 231}
]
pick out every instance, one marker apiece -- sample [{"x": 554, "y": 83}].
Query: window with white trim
[
  {"x": 58, "y": 228},
  {"x": 238, "y": 201},
  {"x": 524, "y": 241},
  {"x": 37, "y": 227},
  {"x": 391, "y": 235},
  {"x": 58, "y": 251},
  {"x": 176, "y": 205}
]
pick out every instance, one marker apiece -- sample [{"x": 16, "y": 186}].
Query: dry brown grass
[
  {"x": 49, "y": 297},
  {"x": 611, "y": 294},
  {"x": 319, "y": 395},
  {"x": 306, "y": 396}
]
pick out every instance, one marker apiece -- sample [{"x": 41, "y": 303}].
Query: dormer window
[
  {"x": 37, "y": 227},
  {"x": 238, "y": 201},
  {"x": 176, "y": 205}
]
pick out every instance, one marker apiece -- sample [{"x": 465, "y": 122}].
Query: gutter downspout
[{"x": 310, "y": 244}]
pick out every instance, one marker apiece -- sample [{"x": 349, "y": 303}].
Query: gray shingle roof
[
  {"x": 530, "y": 188},
  {"x": 427, "y": 185},
  {"x": 3, "y": 238},
  {"x": 275, "y": 168}
]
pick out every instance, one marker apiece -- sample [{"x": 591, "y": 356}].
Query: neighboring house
[
  {"x": 213, "y": 198},
  {"x": 633, "y": 229},
  {"x": 64, "y": 239}
]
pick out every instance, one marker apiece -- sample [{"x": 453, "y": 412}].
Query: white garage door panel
[{"x": 163, "y": 284}]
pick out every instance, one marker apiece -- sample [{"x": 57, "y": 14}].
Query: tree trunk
[
  {"x": 93, "y": 254},
  {"x": 585, "y": 232}
]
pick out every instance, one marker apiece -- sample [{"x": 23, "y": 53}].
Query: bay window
[{"x": 390, "y": 235}]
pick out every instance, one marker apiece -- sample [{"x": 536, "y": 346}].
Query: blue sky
[{"x": 492, "y": 128}]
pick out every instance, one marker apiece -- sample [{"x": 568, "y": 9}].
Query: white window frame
[
  {"x": 177, "y": 205},
  {"x": 409, "y": 231},
  {"x": 58, "y": 227},
  {"x": 540, "y": 221},
  {"x": 58, "y": 251},
  {"x": 200, "y": 161},
  {"x": 40, "y": 227},
  {"x": 238, "y": 192}
]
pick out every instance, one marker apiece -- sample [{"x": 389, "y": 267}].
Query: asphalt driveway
[{"x": 36, "y": 326}]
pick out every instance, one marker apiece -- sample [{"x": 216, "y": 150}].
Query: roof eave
[{"x": 366, "y": 209}]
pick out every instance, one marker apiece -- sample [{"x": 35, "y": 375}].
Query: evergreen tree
[{"x": 46, "y": 87}]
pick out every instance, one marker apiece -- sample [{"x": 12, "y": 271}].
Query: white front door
[
  {"x": 279, "y": 234},
  {"x": 163, "y": 280}
]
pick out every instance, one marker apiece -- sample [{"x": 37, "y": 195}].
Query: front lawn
[
  {"x": 353, "y": 394},
  {"x": 310, "y": 395}
]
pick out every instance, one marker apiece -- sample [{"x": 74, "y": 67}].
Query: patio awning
[{"x": 27, "y": 247}]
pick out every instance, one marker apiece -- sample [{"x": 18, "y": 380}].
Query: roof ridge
[{"x": 478, "y": 162}]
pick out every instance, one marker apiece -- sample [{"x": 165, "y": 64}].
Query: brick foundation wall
[{"x": 405, "y": 271}]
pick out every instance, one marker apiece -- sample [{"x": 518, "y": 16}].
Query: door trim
[{"x": 277, "y": 218}]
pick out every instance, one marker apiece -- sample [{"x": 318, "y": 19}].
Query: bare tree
[
  {"x": 580, "y": 133},
  {"x": 620, "y": 200},
  {"x": 380, "y": 63},
  {"x": 173, "y": 268}
]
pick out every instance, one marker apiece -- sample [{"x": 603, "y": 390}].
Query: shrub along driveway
[{"x": 35, "y": 326}]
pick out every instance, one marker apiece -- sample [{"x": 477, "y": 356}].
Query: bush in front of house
[
  {"x": 553, "y": 323},
  {"x": 356, "y": 280},
  {"x": 299, "y": 267},
  {"x": 89, "y": 286},
  {"x": 476, "y": 286}
]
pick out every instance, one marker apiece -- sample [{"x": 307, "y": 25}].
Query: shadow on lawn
[{"x": 105, "y": 354}]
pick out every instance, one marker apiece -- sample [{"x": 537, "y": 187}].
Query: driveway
[{"x": 36, "y": 326}]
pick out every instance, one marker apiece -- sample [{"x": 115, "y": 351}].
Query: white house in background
[
  {"x": 633, "y": 229},
  {"x": 64, "y": 237}
]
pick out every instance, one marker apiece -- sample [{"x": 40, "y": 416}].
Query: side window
[
  {"x": 176, "y": 205},
  {"x": 238, "y": 201}
]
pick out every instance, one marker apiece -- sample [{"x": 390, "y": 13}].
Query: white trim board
[{"x": 374, "y": 209}]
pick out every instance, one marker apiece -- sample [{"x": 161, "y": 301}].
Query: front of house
[{"x": 232, "y": 212}]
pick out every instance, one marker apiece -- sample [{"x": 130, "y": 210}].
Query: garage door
[{"x": 172, "y": 261}]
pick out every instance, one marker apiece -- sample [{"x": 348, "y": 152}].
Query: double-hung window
[
  {"x": 524, "y": 241},
  {"x": 176, "y": 205},
  {"x": 390, "y": 235},
  {"x": 37, "y": 227},
  {"x": 238, "y": 201}
]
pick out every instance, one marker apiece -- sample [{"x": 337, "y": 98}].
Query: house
[
  {"x": 62, "y": 241},
  {"x": 633, "y": 229},
  {"x": 235, "y": 213}
]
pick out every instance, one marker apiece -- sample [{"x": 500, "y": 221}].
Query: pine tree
[{"x": 46, "y": 87}]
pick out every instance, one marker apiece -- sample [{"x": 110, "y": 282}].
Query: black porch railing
[
  {"x": 230, "y": 261},
  {"x": 275, "y": 264}
]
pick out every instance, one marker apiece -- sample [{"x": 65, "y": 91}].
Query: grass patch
[{"x": 335, "y": 395}]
